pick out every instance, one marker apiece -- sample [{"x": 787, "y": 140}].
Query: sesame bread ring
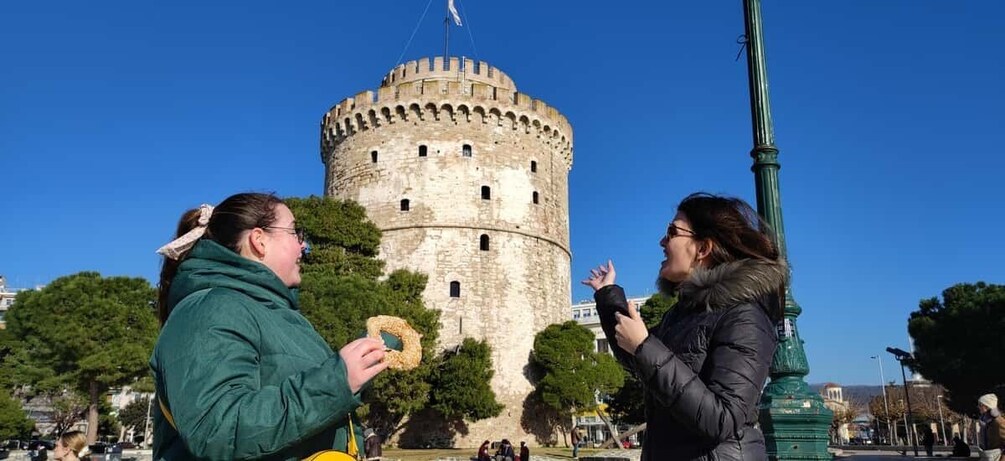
[{"x": 411, "y": 352}]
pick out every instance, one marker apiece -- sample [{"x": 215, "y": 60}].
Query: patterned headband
[{"x": 180, "y": 245}]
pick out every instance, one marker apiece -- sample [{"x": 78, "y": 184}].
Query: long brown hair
[
  {"x": 230, "y": 219},
  {"x": 736, "y": 231}
]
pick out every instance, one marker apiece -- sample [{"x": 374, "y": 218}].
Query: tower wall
[{"x": 517, "y": 286}]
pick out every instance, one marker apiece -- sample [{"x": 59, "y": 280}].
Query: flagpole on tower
[
  {"x": 446, "y": 33},
  {"x": 451, "y": 14}
]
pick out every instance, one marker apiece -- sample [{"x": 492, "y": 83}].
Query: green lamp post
[{"x": 794, "y": 419}]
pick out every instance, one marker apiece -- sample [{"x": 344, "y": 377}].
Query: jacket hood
[
  {"x": 734, "y": 283},
  {"x": 211, "y": 265}
]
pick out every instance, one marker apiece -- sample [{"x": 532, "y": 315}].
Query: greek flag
[{"x": 453, "y": 12}]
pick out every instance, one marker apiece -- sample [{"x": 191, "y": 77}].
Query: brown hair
[
  {"x": 230, "y": 219},
  {"x": 736, "y": 231},
  {"x": 74, "y": 440},
  {"x": 732, "y": 225}
]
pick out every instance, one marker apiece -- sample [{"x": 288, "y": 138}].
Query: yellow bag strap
[
  {"x": 166, "y": 413},
  {"x": 352, "y": 449}
]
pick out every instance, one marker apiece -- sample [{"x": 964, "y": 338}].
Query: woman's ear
[
  {"x": 705, "y": 247},
  {"x": 254, "y": 244}
]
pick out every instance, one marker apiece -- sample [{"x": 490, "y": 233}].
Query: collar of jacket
[
  {"x": 733, "y": 283},
  {"x": 211, "y": 265}
]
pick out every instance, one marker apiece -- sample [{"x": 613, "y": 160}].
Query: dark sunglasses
[
  {"x": 300, "y": 233},
  {"x": 674, "y": 231}
]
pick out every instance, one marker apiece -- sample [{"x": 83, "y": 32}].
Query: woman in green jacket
[{"x": 240, "y": 373}]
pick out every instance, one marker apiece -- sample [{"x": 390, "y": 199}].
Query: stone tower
[{"x": 468, "y": 181}]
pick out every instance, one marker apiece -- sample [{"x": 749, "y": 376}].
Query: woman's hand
[
  {"x": 362, "y": 359},
  {"x": 601, "y": 276},
  {"x": 630, "y": 331}
]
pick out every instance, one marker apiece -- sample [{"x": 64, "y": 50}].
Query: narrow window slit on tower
[
  {"x": 486, "y": 193},
  {"x": 483, "y": 243},
  {"x": 373, "y": 156},
  {"x": 404, "y": 204},
  {"x": 455, "y": 289},
  {"x": 423, "y": 150}
]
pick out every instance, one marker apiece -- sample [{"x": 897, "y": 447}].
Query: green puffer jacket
[{"x": 241, "y": 370}]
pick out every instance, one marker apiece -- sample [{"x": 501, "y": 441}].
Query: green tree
[
  {"x": 958, "y": 339},
  {"x": 343, "y": 240},
  {"x": 14, "y": 423},
  {"x": 134, "y": 415},
  {"x": 341, "y": 288},
  {"x": 82, "y": 332},
  {"x": 460, "y": 385},
  {"x": 627, "y": 406},
  {"x": 569, "y": 375},
  {"x": 655, "y": 308},
  {"x": 108, "y": 425}
]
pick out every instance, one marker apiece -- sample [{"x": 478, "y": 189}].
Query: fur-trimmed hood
[{"x": 733, "y": 283}]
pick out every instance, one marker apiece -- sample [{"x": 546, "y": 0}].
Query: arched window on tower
[
  {"x": 533, "y": 166},
  {"x": 404, "y": 204},
  {"x": 486, "y": 193},
  {"x": 423, "y": 150},
  {"x": 466, "y": 150},
  {"x": 373, "y": 156},
  {"x": 483, "y": 243},
  {"x": 455, "y": 289},
  {"x": 535, "y": 197}
]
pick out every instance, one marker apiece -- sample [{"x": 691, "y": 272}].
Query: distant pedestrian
[
  {"x": 483, "y": 452},
  {"x": 524, "y": 452},
  {"x": 505, "y": 451},
  {"x": 576, "y": 438},
  {"x": 960, "y": 449},
  {"x": 927, "y": 439},
  {"x": 371, "y": 446},
  {"x": 992, "y": 427}
]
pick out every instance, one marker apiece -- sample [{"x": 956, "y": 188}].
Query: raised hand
[
  {"x": 630, "y": 330},
  {"x": 600, "y": 277},
  {"x": 362, "y": 359}
]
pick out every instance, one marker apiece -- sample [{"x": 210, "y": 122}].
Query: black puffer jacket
[{"x": 704, "y": 366}]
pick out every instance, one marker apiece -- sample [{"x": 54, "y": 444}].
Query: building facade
[
  {"x": 7, "y": 296},
  {"x": 467, "y": 180}
]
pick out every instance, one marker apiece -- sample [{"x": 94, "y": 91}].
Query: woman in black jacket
[{"x": 704, "y": 366}]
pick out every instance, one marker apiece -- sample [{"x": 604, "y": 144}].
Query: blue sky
[{"x": 116, "y": 116}]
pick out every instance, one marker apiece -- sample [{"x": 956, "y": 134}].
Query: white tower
[{"x": 468, "y": 181}]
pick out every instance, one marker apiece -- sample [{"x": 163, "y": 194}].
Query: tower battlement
[
  {"x": 455, "y": 69},
  {"x": 415, "y": 91}
]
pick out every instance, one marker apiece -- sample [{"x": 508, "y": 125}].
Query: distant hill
[{"x": 854, "y": 393}]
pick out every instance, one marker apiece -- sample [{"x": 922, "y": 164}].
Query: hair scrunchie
[{"x": 180, "y": 245}]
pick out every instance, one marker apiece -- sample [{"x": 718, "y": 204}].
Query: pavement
[{"x": 877, "y": 455}]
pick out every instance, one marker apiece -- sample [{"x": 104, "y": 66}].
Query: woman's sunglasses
[{"x": 674, "y": 231}]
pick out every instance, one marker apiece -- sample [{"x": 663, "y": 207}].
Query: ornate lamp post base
[{"x": 795, "y": 421}]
